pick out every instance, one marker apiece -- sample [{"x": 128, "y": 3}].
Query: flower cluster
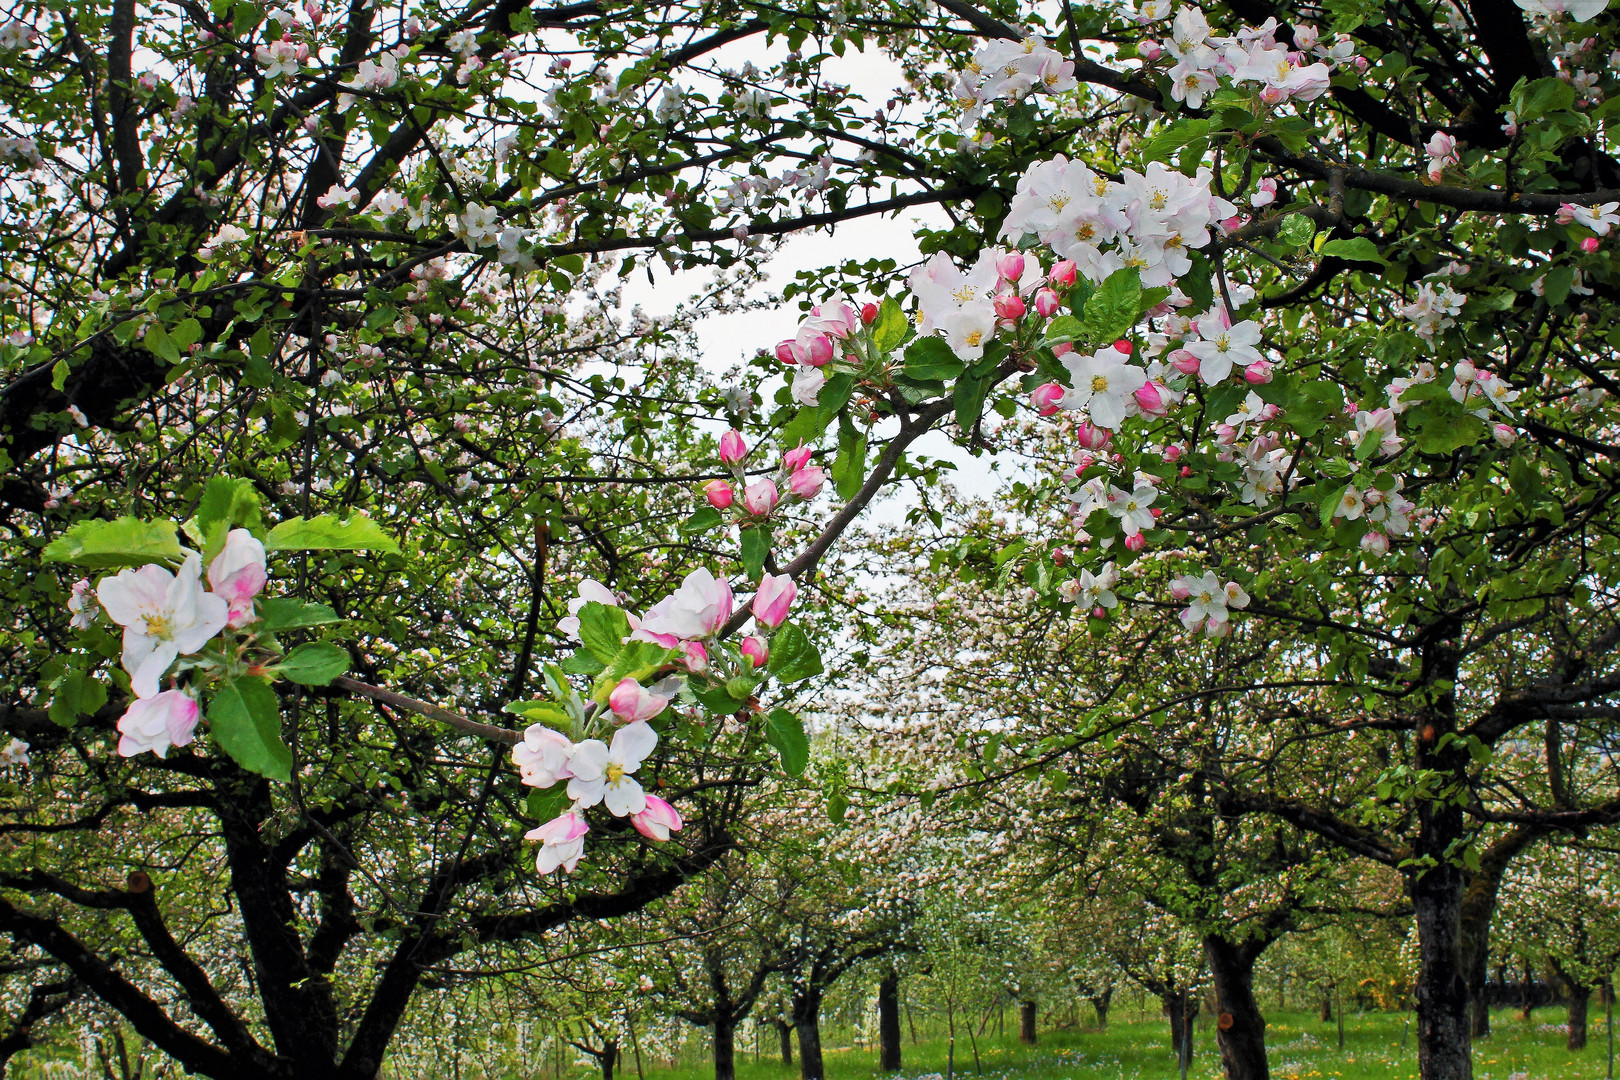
[
  {"x": 817, "y": 344},
  {"x": 167, "y": 615},
  {"x": 1005, "y": 70},
  {"x": 1252, "y": 57},
  {"x": 1209, "y": 603},
  {"x": 796, "y": 477},
  {"x": 1146, "y": 220}
]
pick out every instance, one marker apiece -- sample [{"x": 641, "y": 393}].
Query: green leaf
[
  {"x": 59, "y": 374},
  {"x": 1173, "y": 138},
  {"x": 1114, "y": 308},
  {"x": 545, "y": 804},
  {"x": 634, "y": 660},
  {"x": 329, "y": 533},
  {"x": 785, "y": 732},
  {"x": 186, "y": 333},
  {"x": 793, "y": 656},
  {"x": 890, "y": 329},
  {"x": 126, "y": 541},
  {"x": 158, "y": 340},
  {"x": 1063, "y": 329},
  {"x": 1443, "y": 433},
  {"x": 278, "y": 613},
  {"x": 602, "y": 630},
  {"x": 227, "y": 502},
  {"x": 548, "y": 713},
  {"x": 929, "y": 359},
  {"x": 1296, "y": 230},
  {"x": 849, "y": 468},
  {"x": 969, "y": 394},
  {"x": 77, "y": 695},
  {"x": 314, "y": 663},
  {"x": 717, "y": 701},
  {"x": 1557, "y": 283},
  {"x": 1357, "y": 249},
  {"x": 245, "y": 719},
  {"x": 837, "y": 807},
  {"x": 701, "y": 522},
  {"x": 756, "y": 544}
]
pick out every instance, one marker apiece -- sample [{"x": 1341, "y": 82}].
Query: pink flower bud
[
  {"x": 1186, "y": 471},
  {"x": 789, "y": 352},
  {"x": 1184, "y": 362},
  {"x": 1010, "y": 266},
  {"x": 1123, "y": 346},
  {"x": 1258, "y": 372},
  {"x": 1504, "y": 434},
  {"x": 1135, "y": 542},
  {"x": 1092, "y": 437},
  {"x": 697, "y": 657},
  {"x": 1589, "y": 245},
  {"x": 761, "y": 497},
  {"x": 1064, "y": 274},
  {"x": 719, "y": 494},
  {"x": 1045, "y": 397},
  {"x": 1009, "y": 307},
  {"x": 756, "y": 650},
  {"x": 1149, "y": 50},
  {"x": 1179, "y": 589},
  {"x": 796, "y": 459},
  {"x": 657, "y": 821},
  {"x": 1152, "y": 399},
  {"x": 732, "y": 447},
  {"x": 776, "y": 594},
  {"x": 807, "y": 482},
  {"x": 1157, "y": 512},
  {"x": 820, "y": 351},
  {"x": 1063, "y": 348},
  {"x": 1047, "y": 303},
  {"x": 1375, "y": 543},
  {"x": 869, "y": 314},
  {"x": 1172, "y": 453},
  {"x": 630, "y": 701},
  {"x": 1099, "y": 613}
]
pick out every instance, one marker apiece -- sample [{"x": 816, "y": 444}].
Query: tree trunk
[
  {"x": 1026, "y": 1022},
  {"x": 1579, "y": 998},
  {"x": 725, "y": 1048},
  {"x": 784, "y": 1031},
  {"x": 1527, "y": 1002},
  {"x": 1100, "y": 1001},
  {"x": 807, "y": 1023},
  {"x": 1240, "y": 1030},
  {"x": 1325, "y": 1013},
  {"x": 1180, "y": 1023},
  {"x": 889, "y": 1022},
  {"x": 1436, "y": 887},
  {"x": 609, "y": 1057}
]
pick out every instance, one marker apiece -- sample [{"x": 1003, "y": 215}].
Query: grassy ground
[{"x": 1301, "y": 1047}]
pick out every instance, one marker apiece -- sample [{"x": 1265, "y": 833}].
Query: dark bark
[
  {"x": 725, "y": 1048},
  {"x": 807, "y": 1025},
  {"x": 1026, "y": 1022},
  {"x": 1240, "y": 1031},
  {"x": 1325, "y": 1013},
  {"x": 44, "y": 1001},
  {"x": 889, "y": 1022},
  {"x": 1100, "y": 1001},
  {"x": 1436, "y": 887},
  {"x": 1180, "y": 1021},
  {"x": 1527, "y": 1003},
  {"x": 1580, "y": 998},
  {"x": 784, "y": 1031}
]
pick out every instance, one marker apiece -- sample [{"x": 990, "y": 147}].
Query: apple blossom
[
  {"x": 755, "y": 648},
  {"x": 80, "y": 606},
  {"x": 163, "y": 616},
  {"x": 697, "y": 657},
  {"x": 1009, "y": 307},
  {"x": 1064, "y": 273},
  {"x": 1442, "y": 151},
  {"x": 630, "y": 701},
  {"x": 776, "y": 594},
  {"x": 698, "y": 609},
  {"x": 719, "y": 493},
  {"x": 562, "y": 842},
  {"x": 1103, "y": 386},
  {"x": 1375, "y": 543},
  {"x": 542, "y": 756},
  {"x": 760, "y": 496},
  {"x": 806, "y": 483},
  {"x": 603, "y": 772},
  {"x": 1504, "y": 434},
  {"x": 1047, "y": 303},
  {"x": 589, "y": 591},
  {"x": 1222, "y": 345},
  {"x": 796, "y": 459},
  {"x": 14, "y": 753},
  {"x": 1046, "y": 399},
  {"x": 807, "y": 384},
  {"x": 657, "y": 820},
  {"x": 1133, "y": 508},
  {"x": 238, "y": 574},
  {"x": 732, "y": 447},
  {"x": 157, "y": 723}
]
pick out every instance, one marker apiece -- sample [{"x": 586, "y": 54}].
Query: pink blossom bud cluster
[
  {"x": 820, "y": 340},
  {"x": 761, "y": 495}
]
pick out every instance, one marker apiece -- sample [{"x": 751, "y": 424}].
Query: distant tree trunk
[
  {"x": 608, "y": 1058},
  {"x": 725, "y": 1048},
  {"x": 1325, "y": 1013},
  {"x": 889, "y": 1022},
  {"x": 1579, "y": 998},
  {"x": 1528, "y": 998},
  {"x": 807, "y": 1024},
  {"x": 784, "y": 1032},
  {"x": 1100, "y": 1001},
  {"x": 1241, "y": 1029},
  {"x": 1181, "y": 1011},
  {"x": 1026, "y": 1022}
]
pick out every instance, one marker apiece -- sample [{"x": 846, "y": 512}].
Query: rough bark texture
[
  {"x": 784, "y": 1032},
  {"x": 1180, "y": 1021},
  {"x": 1436, "y": 888},
  {"x": 1026, "y": 1022},
  {"x": 725, "y": 1048},
  {"x": 1240, "y": 1032},
  {"x": 807, "y": 1024},
  {"x": 1580, "y": 998},
  {"x": 889, "y": 1022},
  {"x": 1100, "y": 1001}
]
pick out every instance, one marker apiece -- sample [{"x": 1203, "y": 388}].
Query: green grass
[{"x": 1136, "y": 1048}]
